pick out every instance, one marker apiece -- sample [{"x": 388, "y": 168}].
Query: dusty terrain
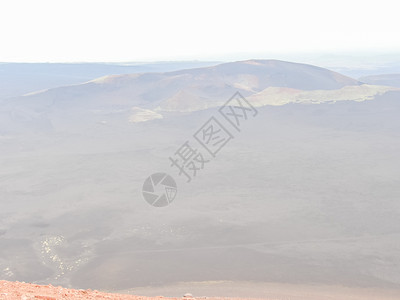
[
  {"x": 304, "y": 194},
  {"x": 25, "y": 291}
]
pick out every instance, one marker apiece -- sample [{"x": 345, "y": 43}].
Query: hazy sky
[{"x": 148, "y": 30}]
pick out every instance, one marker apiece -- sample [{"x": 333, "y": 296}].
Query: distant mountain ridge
[
  {"x": 263, "y": 82},
  {"x": 256, "y": 75},
  {"x": 216, "y": 82},
  {"x": 21, "y": 78},
  {"x": 383, "y": 79}
]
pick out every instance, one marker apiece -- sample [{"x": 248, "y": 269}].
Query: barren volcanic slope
[{"x": 303, "y": 194}]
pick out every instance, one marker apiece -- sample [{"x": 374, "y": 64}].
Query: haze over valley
[{"x": 306, "y": 193}]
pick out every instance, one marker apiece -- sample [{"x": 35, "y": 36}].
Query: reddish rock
[{"x": 25, "y": 291}]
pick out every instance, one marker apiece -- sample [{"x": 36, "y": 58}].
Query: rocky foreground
[{"x": 26, "y": 291}]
